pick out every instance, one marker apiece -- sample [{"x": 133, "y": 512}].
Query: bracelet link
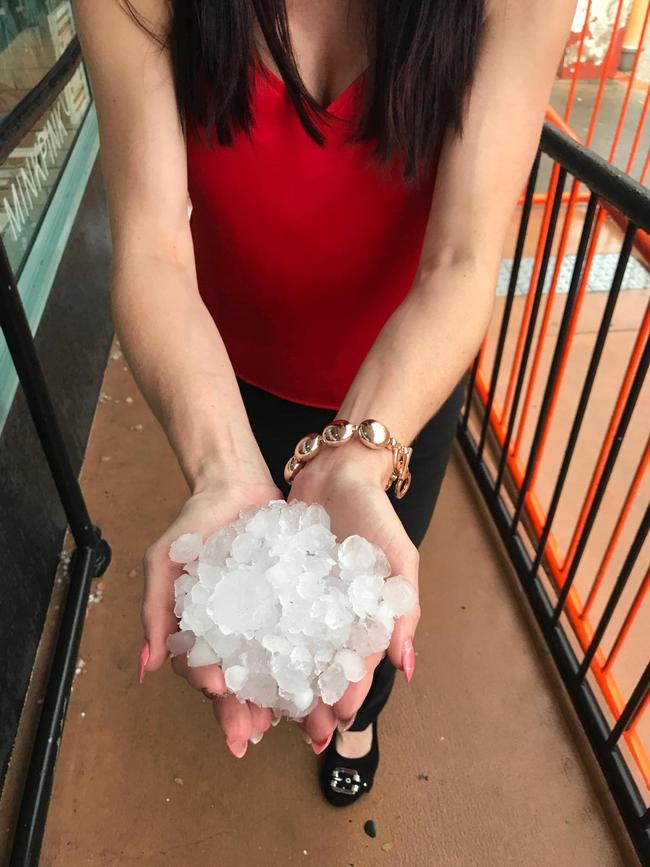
[{"x": 372, "y": 433}]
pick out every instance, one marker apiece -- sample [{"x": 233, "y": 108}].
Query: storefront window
[{"x": 33, "y": 35}]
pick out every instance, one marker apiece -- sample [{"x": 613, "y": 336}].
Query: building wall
[{"x": 72, "y": 342}]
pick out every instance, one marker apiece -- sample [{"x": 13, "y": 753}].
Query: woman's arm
[
  {"x": 430, "y": 340},
  {"x": 168, "y": 336}
]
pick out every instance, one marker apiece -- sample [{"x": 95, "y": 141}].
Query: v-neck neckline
[{"x": 279, "y": 84}]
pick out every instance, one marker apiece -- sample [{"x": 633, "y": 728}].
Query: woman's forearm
[
  {"x": 423, "y": 349},
  {"x": 181, "y": 365}
]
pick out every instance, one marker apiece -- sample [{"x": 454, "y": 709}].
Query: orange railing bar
[
  {"x": 628, "y": 91},
  {"x": 618, "y": 529},
  {"x": 546, "y": 219},
  {"x": 532, "y": 379},
  {"x": 603, "y": 75},
  {"x": 583, "y": 629},
  {"x": 582, "y": 289},
  {"x": 558, "y": 264},
  {"x": 629, "y": 620},
  {"x": 576, "y": 69},
  {"x": 609, "y": 437}
]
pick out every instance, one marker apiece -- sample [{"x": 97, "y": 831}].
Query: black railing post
[
  {"x": 526, "y": 548},
  {"x": 92, "y": 553},
  {"x": 15, "y": 327}
]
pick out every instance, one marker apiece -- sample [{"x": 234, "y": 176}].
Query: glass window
[{"x": 33, "y": 34}]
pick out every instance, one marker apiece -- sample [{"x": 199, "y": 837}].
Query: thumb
[
  {"x": 157, "y": 613},
  {"x": 400, "y": 650}
]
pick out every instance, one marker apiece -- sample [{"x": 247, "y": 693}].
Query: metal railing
[
  {"x": 509, "y": 454},
  {"x": 491, "y": 437},
  {"x": 92, "y": 554}
]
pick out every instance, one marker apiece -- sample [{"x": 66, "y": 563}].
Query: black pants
[{"x": 278, "y": 424}]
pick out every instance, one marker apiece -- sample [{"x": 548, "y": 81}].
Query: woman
[{"x": 353, "y": 167}]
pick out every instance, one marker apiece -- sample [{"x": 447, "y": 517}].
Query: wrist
[
  {"x": 214, "y": 473},
  {"x": 350, "y": 462}
]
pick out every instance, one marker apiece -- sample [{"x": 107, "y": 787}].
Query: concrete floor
[
  {"x": 608, "y": 116},
  {"x": 482, "y": 762}
]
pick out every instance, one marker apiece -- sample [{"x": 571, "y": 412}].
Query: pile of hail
[{"x": 286, "y": 611}]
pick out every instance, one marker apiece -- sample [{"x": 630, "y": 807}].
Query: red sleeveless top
[{"x": 302, "y": 251}]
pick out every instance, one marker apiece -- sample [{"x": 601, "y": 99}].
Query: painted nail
[
  {"x": 344, "y": 724},
  {"x": 319, "y": 746},
  {"x": 237, "y": 748},
  {"x": 144, "y": 659},
  {"x": 256, "y": 737},
  {"x": 408, "y": 660}
]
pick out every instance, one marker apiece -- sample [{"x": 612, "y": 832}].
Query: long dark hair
[{"x": 422, "y": 56}]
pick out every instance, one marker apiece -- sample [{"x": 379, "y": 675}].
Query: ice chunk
[
  {"x": 399, "y": 595},
  {"x": 235, "y": 677},
  {"x": 185, "y": 548},
  {"x": 243, "y": 547},
  {"x": 354, "y": 668},
  {"x": 208, "y": 574},
  {"x": 201, "y": 654},
  {"x": 241, "y": 603},
  {"x": 332, "y": 683},
  {"x": 313, "y": 515},
  {"x": 287, "y": 612},
  {"x": 180, "y": 642},
  {"x": 357, "y": 554},
  {"x": 378, "y": 637},
  {"x": 184, "y": 584},
  {"x": 364, "y": 592},
  {"x": 217, "y": 546}
]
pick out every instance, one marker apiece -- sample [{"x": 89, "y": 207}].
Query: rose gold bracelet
[{"x": 373, "y": 434}]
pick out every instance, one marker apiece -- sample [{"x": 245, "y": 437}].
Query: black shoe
[{"x": 343, "y": 781}]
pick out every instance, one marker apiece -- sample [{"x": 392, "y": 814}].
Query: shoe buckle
[{"x": 346, "y": 781}]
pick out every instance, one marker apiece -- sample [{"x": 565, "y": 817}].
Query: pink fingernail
[
  {"x": 344, "y": 724},
  {"x": 408, "y": 660},
  {"x": 144, "y": 659},
  {"x": 319, "y": 746},
  {"x": 237, "y": 748}
]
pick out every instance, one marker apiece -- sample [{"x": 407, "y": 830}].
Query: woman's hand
[
  {"x": 349, "y": 482},
  {"x": 205, "y": 512}
]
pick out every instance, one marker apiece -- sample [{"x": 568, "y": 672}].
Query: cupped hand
[
  {"x": 348, "y": 482},
  {"x": 204, "y": 512}
]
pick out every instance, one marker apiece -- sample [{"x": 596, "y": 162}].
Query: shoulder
[{"x": 152, "y": 17}]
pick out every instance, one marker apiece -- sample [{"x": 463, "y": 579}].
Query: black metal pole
[
  {"x": 530, "y": 332},
  {"x": 629, "y": 711},
  {"x": 558, "y": 354},
  {"x": 29, "y": 829},
  {"x": 583, "y": 402},
  {"x": 18, "y": 335},
  {"x": 510, "y": 297},
  {"x": 621, "y": 430},
  {"x": 615, "y": 595}
]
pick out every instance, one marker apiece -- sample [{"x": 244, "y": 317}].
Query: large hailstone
[{"x": 287, "y": 612}]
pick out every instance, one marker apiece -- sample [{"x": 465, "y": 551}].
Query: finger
[
  {"x": 261, "y": 718},
  {"x": 157, "y": 612},
  {"x": 400, "y": 650},
  {"x": 234, "y": 717},
  {"x": 207, "y": 678},
  {"x": 319, "y": 726}
]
